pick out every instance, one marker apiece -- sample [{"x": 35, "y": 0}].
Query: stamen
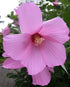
[{"x": 37, "y": 39}]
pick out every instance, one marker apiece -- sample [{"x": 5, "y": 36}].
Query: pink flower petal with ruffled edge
[
  {"x": 33, "y": 60},
  {"x": 42, "y": 78},
  {"x": 57, "y": 29},
  {"x": 54, "y": 53},
  {"x": 12, "y": 64},
  {"x": 30, "y": 17},
  {"x": 15, "y": 45}
]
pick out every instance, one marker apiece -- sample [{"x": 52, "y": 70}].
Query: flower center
[{"x": 37, "y": 39}]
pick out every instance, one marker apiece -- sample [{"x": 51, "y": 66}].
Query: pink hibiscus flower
[
  {"x": 40, "y": 43},
  {"x": 55, "y": 3},
  {"x": 6, "y": 31},
  {"x": 42, "y": 78}
]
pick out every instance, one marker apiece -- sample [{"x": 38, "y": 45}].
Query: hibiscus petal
[
  {"x": 15, "y": 45},
  {"x": 30, "y": 17},
  {"x": 57, "y": 29},
  {"x": 5, "y": 55},
  {"x": 33, "y": 61},
  {"x": 42, "y": 78},
  {"x": 54, "y": 53},
  {"x": 12, "y": 64}
]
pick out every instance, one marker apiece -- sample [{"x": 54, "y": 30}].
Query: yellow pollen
[{"x": 38, "y": 40}]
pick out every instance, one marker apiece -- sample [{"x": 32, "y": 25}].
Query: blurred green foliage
[
  {"x": 61, "y": 10},
  {"x": 12, "y": 16},
  {"x": 60, "y": 78},
  {"x": 1, "y": 48}
]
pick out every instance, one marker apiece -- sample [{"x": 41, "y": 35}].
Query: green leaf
[{"x": 11, "y": 75}]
